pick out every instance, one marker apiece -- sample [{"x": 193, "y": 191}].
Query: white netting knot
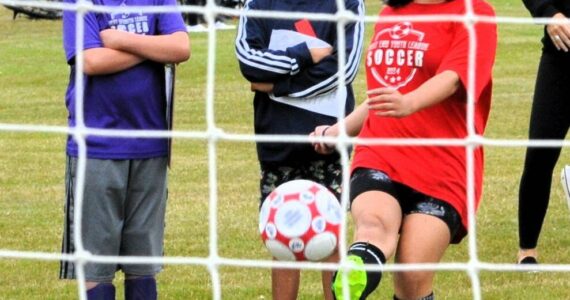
[
  {"x": 82, "y": 256},
  {"x": 215, "y": 133},
  {"x": 474, "y": 140},
  {"x": 346, "y": 16},
  {"x": 84, "y": 6}
]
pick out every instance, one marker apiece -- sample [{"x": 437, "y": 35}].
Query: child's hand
[
  {"x": 388, "y": 102},
  {"x": 265, "y": 87},
  {"x": 317, "y": 54},
  {"x": 320, "y": 147}
]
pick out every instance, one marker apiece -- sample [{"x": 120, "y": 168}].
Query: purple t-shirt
[{"x": 130, "y": 99}]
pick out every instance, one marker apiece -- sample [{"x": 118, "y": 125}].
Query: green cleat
[{"x": 356, "y": 279}]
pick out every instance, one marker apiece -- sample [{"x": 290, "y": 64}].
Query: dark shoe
[{"x": 529, "y": 260}]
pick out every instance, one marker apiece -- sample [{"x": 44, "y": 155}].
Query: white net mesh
[{"x": 214, "y": 134}]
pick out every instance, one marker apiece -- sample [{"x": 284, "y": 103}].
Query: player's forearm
[
  {"x": 101, "y": 61},
  {"x": 353, "y": 122},
  {"x": 169, "y": 48},
  {"x": 435, "y": 90},
  {"x": 355, "y": 119}
]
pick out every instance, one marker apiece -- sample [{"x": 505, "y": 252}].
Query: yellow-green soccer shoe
[{"x": 356, "y": 279}]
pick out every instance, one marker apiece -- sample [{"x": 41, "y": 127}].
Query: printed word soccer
[{"x": 300, "y": 220}]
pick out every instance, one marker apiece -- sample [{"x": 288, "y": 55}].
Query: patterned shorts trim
[
  {"x": 411, "y": 201},
  {"x": 327, "y": 173}
]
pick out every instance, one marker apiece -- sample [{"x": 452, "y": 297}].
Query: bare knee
[
  {"x": 377, "y": 219},
  {"x": 413, "y": 285}
]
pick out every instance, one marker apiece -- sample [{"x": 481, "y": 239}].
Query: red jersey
[{"x": 404, "y": 55}]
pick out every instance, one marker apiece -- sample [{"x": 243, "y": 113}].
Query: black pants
[
  {"x": 191, "y": 18},
  {"x": 194, "y": 19},
  {"x": 549, "y": 119}
]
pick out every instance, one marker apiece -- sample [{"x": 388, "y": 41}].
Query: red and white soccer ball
[{"x": 300, "y": 220}]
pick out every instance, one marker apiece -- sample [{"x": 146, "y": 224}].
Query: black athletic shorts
[{"x": 411, "y": 201}]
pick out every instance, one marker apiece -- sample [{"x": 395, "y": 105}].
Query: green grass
[{"x": 33, "y": 78}]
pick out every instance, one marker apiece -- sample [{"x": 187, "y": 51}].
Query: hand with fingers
[
  {"x": 321, "y": 147},
  {"x": 317, "y": 54},
  {"x": 389, "y": 102},
  {"x": 559, "y": 32}
]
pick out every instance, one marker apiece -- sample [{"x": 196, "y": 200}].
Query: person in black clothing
[
  {"x": 292, "y": 66},
  {"x": 549, "y": 119},
  {"x": 193, "y": 19},
  {"x": 195, "y": 22}
]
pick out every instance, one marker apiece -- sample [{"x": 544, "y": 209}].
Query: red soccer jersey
[{"x": 404, "y": 55}]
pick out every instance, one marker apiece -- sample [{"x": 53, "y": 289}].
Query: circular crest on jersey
[
  {"x": 395, "y": 54},
  {"x": 300, "y": 220}
]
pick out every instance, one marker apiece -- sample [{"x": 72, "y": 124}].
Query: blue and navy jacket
[{"x": 293, "y": 73}]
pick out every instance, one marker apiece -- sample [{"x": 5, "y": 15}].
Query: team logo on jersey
[
  {"x": 395, "y": 54},
  {"x": 130, "y": 22}
]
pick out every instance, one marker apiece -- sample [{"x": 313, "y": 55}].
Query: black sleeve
[
  {"x": 541, "y": 8},
  {"x": 322, "y": 78},
  {"x": 257, "y": 62}
]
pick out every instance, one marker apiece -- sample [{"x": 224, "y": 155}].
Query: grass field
[{"x": 33, "y": 77}]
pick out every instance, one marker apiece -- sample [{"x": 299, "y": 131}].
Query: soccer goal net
[{"x": 218, "y": 137}]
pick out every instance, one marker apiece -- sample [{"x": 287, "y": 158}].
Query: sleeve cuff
[
  {"x": 549, "y": 11},
  {"x": 281, "y": 88},
  {"x": 302, "y": 54}
]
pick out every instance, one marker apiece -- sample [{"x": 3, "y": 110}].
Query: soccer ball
[
  {"x": 300, "y": 220},
  {"x": 400, "y": 30}
]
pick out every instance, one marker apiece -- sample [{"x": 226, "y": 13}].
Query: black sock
[
  {"x": 428, "y": 297},
  {"x": 102, "y": 291},
  {"x": 142, "y": 288},
  {"x": 370, "y": 254}
]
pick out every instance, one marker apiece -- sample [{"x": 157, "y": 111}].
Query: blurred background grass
[{"x": 33, "y": 78}]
